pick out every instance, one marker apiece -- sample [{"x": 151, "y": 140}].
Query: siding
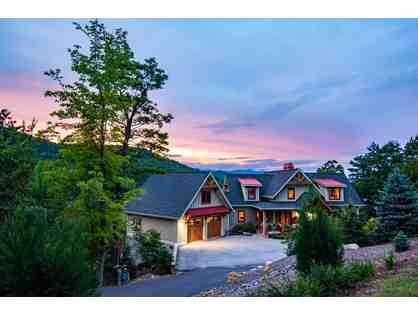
[
  {"x": 215, "y": 199},
  {"x": 299, "y": 189},
  {"x": 166, "y": 228}
]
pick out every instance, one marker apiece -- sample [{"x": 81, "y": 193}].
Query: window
[
  {"x": 252, "y": 194},
  {"x": 241, "y": 216},
  {"x": 291, "y": 193},
  {"x": 205, "y": 196},
  {"x": 334, "y": 194}
]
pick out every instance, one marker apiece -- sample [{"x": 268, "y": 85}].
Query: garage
[
  {"x": 195, "y": 229},
  {"x": 214, "y": 226}
]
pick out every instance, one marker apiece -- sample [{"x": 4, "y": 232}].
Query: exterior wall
[
  {"x": 166, "y": 228},
  {"x": 299, "y": 189},
  {"x": 215, "y": 199},
  {"x": 181, "y": 231},
  {"x": 250, "y": 214}
]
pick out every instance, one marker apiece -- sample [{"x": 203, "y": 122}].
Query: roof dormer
[{"x": 250, "y": 188}]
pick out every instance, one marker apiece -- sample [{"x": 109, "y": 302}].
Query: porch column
[{"x": 264, "y": 224}]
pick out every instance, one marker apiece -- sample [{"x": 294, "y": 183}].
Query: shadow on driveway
[{"x": 185, "y": 284}]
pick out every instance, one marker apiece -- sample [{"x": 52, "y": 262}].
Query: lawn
[{"x": 404, "y": 284}]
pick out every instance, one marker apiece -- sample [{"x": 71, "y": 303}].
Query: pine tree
[{"x": 397, "y": 206}]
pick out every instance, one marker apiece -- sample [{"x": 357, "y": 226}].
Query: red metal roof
[
  {"x": 330, "y": 183},
  {"x": 206, "y": 211},
  {"x": 250, "y": 182}
]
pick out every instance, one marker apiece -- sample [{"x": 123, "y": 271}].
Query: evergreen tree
[{"x": 397, "y": 206}]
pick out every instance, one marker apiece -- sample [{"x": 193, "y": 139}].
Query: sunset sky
[{"x": 246, "y": 93}]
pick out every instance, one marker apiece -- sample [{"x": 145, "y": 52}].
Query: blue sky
[{"x": 247, "y": 93}]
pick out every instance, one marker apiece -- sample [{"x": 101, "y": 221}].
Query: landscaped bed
[{"x": 243, "y": 284}]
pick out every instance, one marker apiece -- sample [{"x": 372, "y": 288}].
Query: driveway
[
  {"x": 185, "y": 284},
  {"x": 230, "y": 251}
]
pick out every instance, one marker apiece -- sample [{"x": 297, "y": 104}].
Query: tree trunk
[{"x": 100, "y": 268}]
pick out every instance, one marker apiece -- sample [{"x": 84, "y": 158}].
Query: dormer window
[
  {"x": 205, "y": 197},
  {"x": 291, "y": 193},
  {"x": 252, "y": 193},
  {"x": 334, "y": 194}
]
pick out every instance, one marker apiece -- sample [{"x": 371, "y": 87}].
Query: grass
[{"x": 404, "y": 284}]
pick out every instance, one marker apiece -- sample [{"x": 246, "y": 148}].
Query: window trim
[
  {"x": 255, "y": 189},
  {"x": 291, "y": 188},
  {"x": 339, "y": 192},
  {"x": 242, "y": 211},
  {"x": 208, "y": 200}
]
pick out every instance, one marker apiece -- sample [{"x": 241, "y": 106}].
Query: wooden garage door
[
  {"x": 214, "y": 226},
  {"x": 195, "y": 229}
]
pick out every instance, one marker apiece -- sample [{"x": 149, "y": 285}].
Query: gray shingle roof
[{"x": 167, "y": 195}]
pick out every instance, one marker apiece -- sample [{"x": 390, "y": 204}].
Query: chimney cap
[{"x": 288, "y": 166}]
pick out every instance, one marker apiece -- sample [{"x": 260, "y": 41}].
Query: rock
[{"x": 351, "y": 246}]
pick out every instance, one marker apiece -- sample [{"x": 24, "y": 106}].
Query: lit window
[
  {"x": 205, "y": 196},
  {"x": 252, "y": 194},
  {"x": 334, "y": 194},
  {"x": 241, "y": 216},
  {"x": 291, "y": 194}
]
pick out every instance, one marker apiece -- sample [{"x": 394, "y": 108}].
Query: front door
[
  {"x": 195, "y": 229},
  {"x": 214, "y": 226}
]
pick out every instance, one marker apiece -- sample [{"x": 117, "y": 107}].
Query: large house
[{"x": 186, "y": 207}]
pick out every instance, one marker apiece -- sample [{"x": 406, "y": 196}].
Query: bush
[
  {"x": 322, "y": 281},
  {"x": 243, "y": 227},
  {"x": 390, "y": 261},
  {"x": 351, "y": 223},
  {"x": 154, "y": 253},
  {"x": 38, "y": 258},
  {"x": 317, "y": 240},
  {"x": 401, "y": 242}
]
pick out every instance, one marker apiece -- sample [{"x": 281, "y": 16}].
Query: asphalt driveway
[
  {"x": 231, "y": 251},
  {"x": 185, "y": 284}
]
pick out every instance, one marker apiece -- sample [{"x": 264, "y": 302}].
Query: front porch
[{"x": 274, "y": 221}]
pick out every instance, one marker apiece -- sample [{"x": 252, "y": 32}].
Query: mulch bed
[{"x": 241, "y": 284}]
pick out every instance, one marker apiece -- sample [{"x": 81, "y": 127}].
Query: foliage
[
  {"x": 351, "y": 223},
  {"x": 317, "y": 240},
  {"x": 410, "y": 166},
  {"x": 397, "y": 206},
  {"x": 243, "y": 227},
  {"x": 401, "y": 242},
  {"x": 390, "y": 261},
  {"x": 154, "y": 253},
  {"x": 38, "y": 258},
  {"x": 404, "y": 284},
  {"x": 322, "y": 281},
  {"x": 331, "y": 166},
  {"x": 370, "y": 170},
  {"x": 17, "y": 162}
]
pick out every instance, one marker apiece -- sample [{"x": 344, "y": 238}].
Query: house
[{"x": 186, "y": 207}]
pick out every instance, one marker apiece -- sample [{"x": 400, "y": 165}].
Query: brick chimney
[{"x": 288, "y": 166}]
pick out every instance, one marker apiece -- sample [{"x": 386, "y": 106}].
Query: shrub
[
  {"x": 322, "y": 281},
  {"x": 351, "y": 223},
  {"x": 38, "y": 258},
  {"x": 401, "y": 242},
  {"x": 390, "y": 261},
  {"x": 154, "y": 253},
  {"x": 243, "y": 227},
  {"x": 317, "y": 240}
]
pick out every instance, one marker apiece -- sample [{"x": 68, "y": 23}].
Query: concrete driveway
[{"x": 229, "y": 252}]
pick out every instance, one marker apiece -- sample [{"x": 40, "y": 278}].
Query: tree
[
  {"x": 101, "y": 217},
  {"x": 369, "y": 171},
  {"x": 397, "y": 206},
  {"x": 17, "y": 161},
  {"x": 331, "y": 166},
  {"x": 38, "y": 258},
  {"x": 318, "y": 241},
  {"x": 410, "y": 166},
  {"x": 351, "y": 223}
]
